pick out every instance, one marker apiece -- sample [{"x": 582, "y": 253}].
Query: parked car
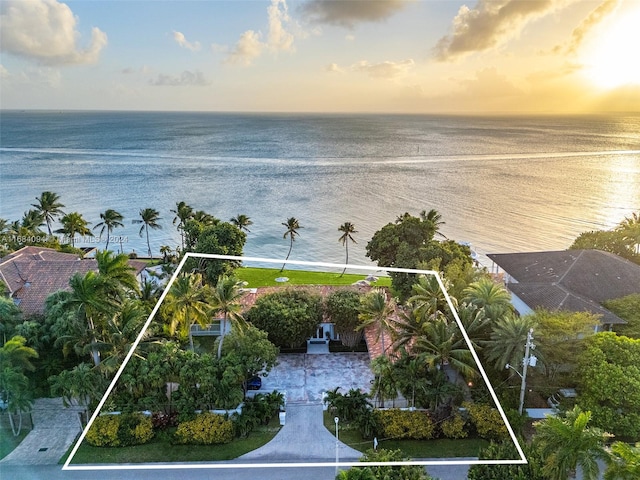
[
  {"x": 561, "y": 396},
  {"x": 254, "y": 383}
]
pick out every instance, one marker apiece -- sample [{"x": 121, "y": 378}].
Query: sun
[{"x": 613, "y": 59}]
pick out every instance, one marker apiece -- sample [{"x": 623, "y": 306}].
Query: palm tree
[
  {"x": 49, "y": 207},
  {"x": 74, "y": 224},
  {"x": 149, "y": 218},
  {"x": 187, "y": 303},
  {"x": 507, "y": 340},
  {"x": 80, "y": 386},
  {"x": 630, "y": 228},
  {"x": 183, "y": 213},
  {"x": 377, "y": 310},
  {"x": 117, "y": 273},
  {"x": 347, "y": 228},
  {"x": 442, "y": 345},
  {"x": 110, "y": 220},
  {"x": 434, "y": 219},
  {"x": 242, "y": 222},
  {"x": 624, "y": 462},
  {"x": 32, "y": 221},
  {"x": 14, "y": 387},
  {"x": 568, "y": 442},
  {"x": 487, "y": 294},
  {"x": 225, "y": 300},
  {"x": 293, "y": 226},
  {"x": 16, "y": 355},
  {"x": 428, "y": 298}
]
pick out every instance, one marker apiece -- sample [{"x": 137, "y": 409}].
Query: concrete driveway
[{"x": 303, "y": 377}]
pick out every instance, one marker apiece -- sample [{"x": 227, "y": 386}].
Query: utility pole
[{"x": 526, "y": 361}]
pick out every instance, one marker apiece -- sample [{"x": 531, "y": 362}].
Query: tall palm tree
[
  {"x": 347, "y": 229},
  {"x": 242, "y": 222},
  {"x": 49, "y": 207},
  {"x": 80, "y": 386},
  {"x": 225, "y": 300},
  {"x": 487, "y": 294},
  {"x": 117, "y": 273},
  {"x": 624, "y": 462},
  {"x": 377, "y": 310},
  {"x": 32, "y": 221},
  {"x": 74, "y": 224},
  {"x": 568, "y": 442},
  {"x": 149, "y": 218},
  {"x": 16, "y": 355},
  {"x": 630, "y": 228},
  {"x": 442, "y": 345},
  {"x": 507, "y": 340},
  {"x": 428, "y": 298},
  {"x": 110, "y": 220},
  {"x": 183, "y": 212},
  {"x": 187, "y": 303},
  {"x": 434, "y": 219},
  {"x": 14, "y": 388},
  {"x": 293, "y": 226}
]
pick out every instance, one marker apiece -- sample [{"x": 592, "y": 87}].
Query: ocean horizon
[{"x": 501, "y": 183}]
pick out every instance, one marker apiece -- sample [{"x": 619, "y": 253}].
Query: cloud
[
  {"x": 489, "y": 24},
  {"x": 130, "y": 70},
  {"x": 4, "y": 73},
  {"x": 488, "y": 83},
  {"x": 187, "y": 78},
  {"x": 385, "y": 69},
  {"x": 184, "y": 43},
  {"x": 45, "y": 31},
  {"x": 250, "y": 45},
  {"x": 349, "y": 13},
  {"x": 606, "y": 8},
  {"x": 333, "y": 68}
]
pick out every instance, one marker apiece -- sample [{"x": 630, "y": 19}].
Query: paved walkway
[
  {"x": 303, "y": 377},
  {"x": 55, "y": 429},
  {"x": 303, "y": 438}
]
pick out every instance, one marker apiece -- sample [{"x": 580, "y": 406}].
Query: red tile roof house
[
  {"x": 32, "y": 273},
  {"x": 573, "y": 280}
]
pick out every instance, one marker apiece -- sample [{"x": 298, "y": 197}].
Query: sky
[{"x": 398, "y": 56}]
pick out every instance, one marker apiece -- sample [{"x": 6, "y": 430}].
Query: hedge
[
  {"x": 404, "y": 424},
  {"x": 120, "y": 430},
  {"x": 205, "y": 429}
]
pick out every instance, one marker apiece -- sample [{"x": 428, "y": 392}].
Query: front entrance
[{"x": 319, "y": 341}]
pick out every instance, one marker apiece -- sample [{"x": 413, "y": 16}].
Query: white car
[{"x": 564, "y": 393}]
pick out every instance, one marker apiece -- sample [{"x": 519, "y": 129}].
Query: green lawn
[
  {"x": 7, "y": 441},
  {"x": 161, "y": 450},
  {"x": 437, "y": 448},
  {"x": 266, "y": 277}
]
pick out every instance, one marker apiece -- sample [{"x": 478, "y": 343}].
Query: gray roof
[{"x": 575, "y": 280}]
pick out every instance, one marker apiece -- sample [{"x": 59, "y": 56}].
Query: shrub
[
  {"x": 205, "y": 429},
  {"x": 120, "y": 430},
  {"x": 453, "y": 427},
  {"x": 403, "y": 424},
  {"x": 162, "y": 420},
  {"x": 487, "y": 421}
]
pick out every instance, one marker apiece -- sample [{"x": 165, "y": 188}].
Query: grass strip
[
  {"x": 8, "y": 442},
  {"x": 266, "y": 277}
]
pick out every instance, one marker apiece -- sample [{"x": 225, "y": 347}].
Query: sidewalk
[{"x": 55, "y": 429}]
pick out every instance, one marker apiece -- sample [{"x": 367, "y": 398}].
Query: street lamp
[
  {"x": 336, "y": 419},
  {"x": 528, "y": 360}
]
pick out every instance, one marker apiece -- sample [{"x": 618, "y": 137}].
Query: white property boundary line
[{"x": 173, "y": 466}]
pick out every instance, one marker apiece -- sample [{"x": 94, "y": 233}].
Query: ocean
[{"x": 503, "y": 184}]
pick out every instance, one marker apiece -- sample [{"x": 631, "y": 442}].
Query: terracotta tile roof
[
  {"x": 31, "y": 274},
  {"x": 575, "y": 280}
]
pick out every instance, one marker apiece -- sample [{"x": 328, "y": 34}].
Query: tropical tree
[
  {"x": 80, "y": 386},
  {"x": 428, "y": 298},
  {"x": 347, "y": 229},
  {"x": 568, "y": 442},
  {"x": 343, "y": 308},
  {"x": 31, "y": 221},
  {"x": 487, "y": 294},
  {"x": 110, "y": 220},
  {"x": 507, "y": 340},
  {"x": 624, "y": 462},
  {"x": 15, "y": 392},
  {"x": 74, "y": 224},
  {"x": 183, "y": 212},
  {"x": 385, "y": 382},
  {"x": 16, "y": 355},
  {"x": 10, "y": 316},
  {"x": 117, "y": 273},
  {"x": 293, "y": 226},
  {"x": 187, "y": 303},
  {"x": 49, "y": 207},
  {"x": 225, "y": 300},
  {"x": 149, "y": 218},
  {"x": 242, "y": 222},
  {"x": 433, "y": 218},
  {"x": 630, "y": 229},
  {"x": 378, "y": 310}
]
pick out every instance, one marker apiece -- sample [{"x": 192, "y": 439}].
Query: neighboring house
[
  {"x": 573, "y": 280},
  {"x": 32, "y": 273}
]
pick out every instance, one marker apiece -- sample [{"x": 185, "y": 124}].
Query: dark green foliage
[
  {"x": 627, "y": 308},
  {"x": 223, "y": 238},
  {"x": 258, "y": 410},
  {"x": 385, "y": 472},
  {"x": 342, "y": 308},
  {"x": 289, "y": 317},
  {"x": 410, "y": 243},
  {"x": 614, "y": 241},
  {"x": 609, "y": 383},
  {"x": 507, "y": 451}
]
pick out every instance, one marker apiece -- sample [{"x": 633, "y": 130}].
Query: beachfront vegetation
[
  {"x": 628, "y": 309},
  {"x": 623, "y": 240},
  {"x": 49, "y": 208},
  {"x": 74, "y": 224},
  {"x": 347, "y": 229},
  {"x": 293, "y": 225},
  {"x": 149, "y": 218},
  {"x": 110, "y": 219}
]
